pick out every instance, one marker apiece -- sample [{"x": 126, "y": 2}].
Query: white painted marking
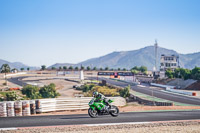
[
  {"x": 141, "y": 86},
  {"x": 4, "y": 129},
  {"x": 110, "y": 124}
]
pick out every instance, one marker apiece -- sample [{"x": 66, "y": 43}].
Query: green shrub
[
  {"x": 125, "y": 92},
  {"x": 103, "y": 90},
  {"x": 49, "y": 91},
  {"x": 34, "y": 92},
  {"x": 87, "y": 87},
  {"x": 31, "y": 92},
  {"x": 1, "y": 97},
  {"x": 11, "y": 96}
]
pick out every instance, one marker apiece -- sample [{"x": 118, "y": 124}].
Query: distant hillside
[
  {"x": 126, "y": 59},
  {"x": 144, "y": 56},
  {"x": 57, "y": 65},
  {"x": 190, "y": 60},
  {"x": 17, "y": 65}
]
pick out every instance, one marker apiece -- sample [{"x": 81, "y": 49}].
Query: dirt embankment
[{"x": 194, "y": 86}]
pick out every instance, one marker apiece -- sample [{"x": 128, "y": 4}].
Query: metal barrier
[
  {"x": 163, "y": 86},
  {"x": 171, "y": 89},
  {"x": 181, "y": 92}
]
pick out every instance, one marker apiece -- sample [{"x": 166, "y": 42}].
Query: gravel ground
[{"x": 166, "y": 127}]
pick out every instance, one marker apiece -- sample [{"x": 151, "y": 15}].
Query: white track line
[
  {"x": 4, "y": 129},
  {"x": 109, "y": 124},
  {"x": 141, "y": 86}
]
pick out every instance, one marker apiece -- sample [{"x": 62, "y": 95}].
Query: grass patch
[
  {"x": 92, "y": 81},
  {"x": 3, "y": 93}
]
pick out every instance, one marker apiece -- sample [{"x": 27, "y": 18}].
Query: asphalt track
[
  {"x": 145, "y": 90},
  {"x": 157, "y": 93},
  {"x": 18, "y": 80},
  {"x": 55, "y": 120}
]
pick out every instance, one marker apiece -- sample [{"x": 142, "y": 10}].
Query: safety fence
[
  {"x": 29, "y": 107},
  {"x": 59, "y": 104},
  {"x": 14, "y": 74},
  {"x": 181, "y": 92},
  {"x": 163, "y": 86}
]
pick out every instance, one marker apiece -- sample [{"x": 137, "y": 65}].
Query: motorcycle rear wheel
[{"x": 92, "y": 113}]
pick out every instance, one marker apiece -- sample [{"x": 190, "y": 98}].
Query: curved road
[
  {"x": 145, "y": 90},
  {"x": 31, "y": 121},
  {"x": 18, "y": 80},
  {"x": 157, "y": 93}
]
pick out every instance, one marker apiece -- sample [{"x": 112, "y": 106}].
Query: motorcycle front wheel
[
  {"x": 92, "y": 113},
  {"x": 114, "y": 111}
]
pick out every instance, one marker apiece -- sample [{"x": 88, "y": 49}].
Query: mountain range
[
  {"x": 57, "y": 65},
  {"x": 17, "y": 65},
  {"x": 128, "y": 59},
  {"x": 141, "y": 57}
]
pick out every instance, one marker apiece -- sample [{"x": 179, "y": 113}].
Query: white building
[{"x": 168, "y": 62}]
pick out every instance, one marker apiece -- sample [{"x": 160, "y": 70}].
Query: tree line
[
  {"x": 184, "y": 73},
  {"x": 134, "y": 69}
]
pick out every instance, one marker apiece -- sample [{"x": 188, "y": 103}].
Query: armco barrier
[
  {"x": 15, "y": 74},
  {"x": 163, "y": 86},
  {"x": 171, "y": 89},
  {"x": 181, "y": 92}
]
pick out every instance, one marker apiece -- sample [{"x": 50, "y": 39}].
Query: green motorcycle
[{"x": 100, "y": 108}]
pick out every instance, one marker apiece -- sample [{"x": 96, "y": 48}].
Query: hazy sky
[{"x": 38, "y": 32}]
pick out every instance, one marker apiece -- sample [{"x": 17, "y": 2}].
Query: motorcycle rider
[{"x": 99, "y": 97}]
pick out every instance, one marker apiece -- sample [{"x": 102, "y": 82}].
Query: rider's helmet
[{"x": 95, "y": 94}]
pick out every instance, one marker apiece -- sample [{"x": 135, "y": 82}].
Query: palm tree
[
  {"x": 43, "y": 67},
  {"x": 107, "y": 68},
  {"x": 95, "y": 68},
  {"x": 65, "y": 67},
  {"x": 82, "y": 67},
  {"x": 124, "y": 69},
  {"x": 5, "y": 68},
  {"x": 76, "y": 68},
  {"x": 88, "y": 68},
  {"x": 71, "y": 68}
]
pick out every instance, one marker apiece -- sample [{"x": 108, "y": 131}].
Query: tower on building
[{"x": 156, "y": 55}]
